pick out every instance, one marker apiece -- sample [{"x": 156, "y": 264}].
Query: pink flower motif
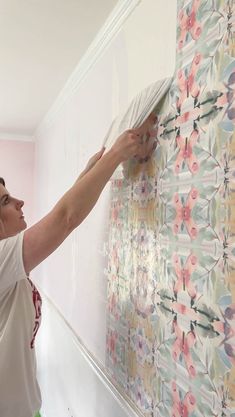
[
  {"x": 184, "y": 274},
  {"x": 182, "y": 408},
  {"x": 183, "y": 213},
  {"x": 111, "y": 342},
  {"x": 115, "y": 212},
  {"x": 187, "y": 85},
  {"x": 182, "y": 345},
  {"x": 190, "y": 401},
  {"x": 189, "y": 23},
  {"x": 113, "y": 307},
  {"x": 114, "y": 253},
  {"x": 186, "y": 153}
]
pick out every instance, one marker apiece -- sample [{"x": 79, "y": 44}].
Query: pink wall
[{"x": 17, "y": 168}]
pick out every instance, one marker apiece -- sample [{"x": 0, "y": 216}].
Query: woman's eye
[{"x": 6, "y": 201}]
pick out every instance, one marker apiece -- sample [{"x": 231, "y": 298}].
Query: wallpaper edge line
[{"x": 126, "y": 404}]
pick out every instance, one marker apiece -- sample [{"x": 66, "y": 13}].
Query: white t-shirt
[{"x": 20, "y": 313}]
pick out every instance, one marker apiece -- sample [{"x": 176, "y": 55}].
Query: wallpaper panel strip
[
  {"x": 171, "y": 249},
  {"x": 138, "y": 111}
]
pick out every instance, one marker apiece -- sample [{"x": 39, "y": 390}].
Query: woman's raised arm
[{"x": 44, "y": 237}]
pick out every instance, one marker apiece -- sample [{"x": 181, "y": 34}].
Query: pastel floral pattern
[
  {"x": 171, "y": 243},
  {"x": 188, "y": 23},
  {"x": 184, "y": 213},
  {"x": 187, "y": 84},
  {"x": 139, "y": 341},
  {"x": 111, "y": 341},
  {"x": 186, "y": 152},
  {"x": 184, "y": 274},
  {"x": 182, "y": 346},
  {"x": 182, "y": 407}
]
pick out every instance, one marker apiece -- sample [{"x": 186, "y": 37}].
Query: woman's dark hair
[{"x": 2, "y": 181}]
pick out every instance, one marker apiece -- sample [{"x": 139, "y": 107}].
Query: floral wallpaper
[{"x": 171, "y": 249}]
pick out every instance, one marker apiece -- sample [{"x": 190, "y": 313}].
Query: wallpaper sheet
[{"x": 171, "y": 249}]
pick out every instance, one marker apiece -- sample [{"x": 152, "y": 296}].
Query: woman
[{"x": 21, "y": 251}]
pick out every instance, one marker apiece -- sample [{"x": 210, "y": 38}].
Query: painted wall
[
  {"x": 17, "y": 168},
  {"x": 73, "y": 277}
]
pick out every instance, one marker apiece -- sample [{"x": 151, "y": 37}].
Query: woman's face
[{"x": 11, "y": 214}]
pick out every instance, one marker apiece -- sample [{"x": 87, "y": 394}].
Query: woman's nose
[{"x": 19, "y": 203}]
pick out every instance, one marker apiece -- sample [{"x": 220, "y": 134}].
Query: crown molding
[
  {"x": 17, "y": 137},
  {"x": 101, "y": 42}
]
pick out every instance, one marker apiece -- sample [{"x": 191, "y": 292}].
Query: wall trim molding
[
  {"x": 99, "y": 45},
  {"x": 17, "y": 137},
  {"x": 127, "y": 405}
]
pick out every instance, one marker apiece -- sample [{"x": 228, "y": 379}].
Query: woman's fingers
[
  {"x": 146, "y": 149},
  {"x": 134, "y": 143}
]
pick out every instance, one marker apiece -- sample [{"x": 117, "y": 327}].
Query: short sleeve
[{"x": 11, "y": 261}]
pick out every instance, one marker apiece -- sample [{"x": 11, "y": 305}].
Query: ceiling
[{"x": 41, "y": 43}]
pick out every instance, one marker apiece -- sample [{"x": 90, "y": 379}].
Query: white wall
[
  {"x": 73, "y": 277},
  {"x": 17, "y": 168},
  {"x": 149, "y": 35}
]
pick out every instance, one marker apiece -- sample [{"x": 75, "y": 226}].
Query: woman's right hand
[
  {"x": 131, "y": 144},
  {"x": 128, "y": 145}
]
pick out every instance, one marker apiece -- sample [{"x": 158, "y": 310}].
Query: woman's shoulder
[
  {"x": 11, "y": 242},
  {"x": 11, "y": 260}
]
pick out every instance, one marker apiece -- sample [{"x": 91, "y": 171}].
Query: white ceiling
[{"x": 41, "y": 43}]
